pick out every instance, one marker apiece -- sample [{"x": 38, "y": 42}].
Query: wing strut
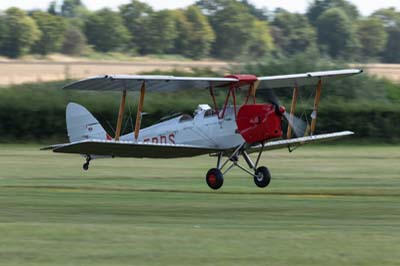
[
  {"x": 316, "y": 104},
  {"x": 120, "y": 115},
  {"x": 139, "y": 110},
  {"x": 292, "y": 111}
]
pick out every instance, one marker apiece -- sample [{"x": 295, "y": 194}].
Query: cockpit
[
  {"x": 205, "y": 111},
  {"x": 185, "y": 118}
]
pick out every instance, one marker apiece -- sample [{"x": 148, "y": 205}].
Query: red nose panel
[{"x": 258, "y": 122}]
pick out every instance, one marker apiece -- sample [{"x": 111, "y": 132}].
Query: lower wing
[
  {"x": 131, "y": 149},
  {"x": 287, "y": 143},
  {"x": 153, "y": 150}
]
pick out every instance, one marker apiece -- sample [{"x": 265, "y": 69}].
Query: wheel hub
[
  {"x": 260, "y": 177},
  {"x": 213, "y": 179}
]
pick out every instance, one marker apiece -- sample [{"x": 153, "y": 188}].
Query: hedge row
[{"x": 33, "y": 114}]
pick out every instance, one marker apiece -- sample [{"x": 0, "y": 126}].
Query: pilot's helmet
[{"x": 201, "y": 108}]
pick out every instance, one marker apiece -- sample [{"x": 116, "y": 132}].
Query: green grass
[{"x": 326, "y": 205}]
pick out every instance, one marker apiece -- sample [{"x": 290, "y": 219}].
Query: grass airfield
[{"x": 326, "y": 205}]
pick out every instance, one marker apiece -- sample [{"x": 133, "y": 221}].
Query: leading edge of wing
[
  {"x": 304, "y": 79},
  {"x": 153, "y": 83},
  {"x": 300, "y": 141},
  {"x": 133, "y": 149}
]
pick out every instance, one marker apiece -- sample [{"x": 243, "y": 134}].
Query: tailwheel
[
  {"x": 262, "y": 177},
  {"x": 86, "y": 164},
  {"x": 214, "y": 178}
]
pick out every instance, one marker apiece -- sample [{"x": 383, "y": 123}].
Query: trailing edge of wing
[
  {"x": 132, "y": 149},
  {"x": 153, "y": 83},
  {"x": 298, "y": 80},
  {"x": 300, "y": 141}
]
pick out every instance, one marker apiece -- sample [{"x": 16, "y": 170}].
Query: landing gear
[
  {"x": 214, "y": 178},
  {"x": 86, "y": 165},
  {"x": 261, "y": 175}
]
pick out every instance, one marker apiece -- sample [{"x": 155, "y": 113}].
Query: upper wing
[
  {"x": 153, "y": 83},
  {"x": 171, "y": 83},
  {"x": 131, "y": 149},
  {"x": 273, "y": 145},
  {"x": 298, "y": 80}
]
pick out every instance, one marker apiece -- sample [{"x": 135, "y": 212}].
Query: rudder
[{"x": 81, "y": 124}]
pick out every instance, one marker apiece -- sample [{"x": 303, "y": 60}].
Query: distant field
[
  {"x": 389, "y": 71},
  {"x": 327, "y": 205},
  {"x": 17, "y": 72}
]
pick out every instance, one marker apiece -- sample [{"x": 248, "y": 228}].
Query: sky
[{"x": 366, "y": 7}]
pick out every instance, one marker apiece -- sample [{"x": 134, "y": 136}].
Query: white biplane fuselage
[{"x": 204, "y": 129}]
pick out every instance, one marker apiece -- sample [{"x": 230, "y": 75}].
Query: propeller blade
[
  {"x": 298, "y": 125},
  {"x": 272, "y": 98}
]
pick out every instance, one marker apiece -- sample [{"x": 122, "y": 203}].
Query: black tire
[
  {"x": 263, "y": 177},
  {"x": 86, "y": 166},
  {"x": 214, "y": 178}
]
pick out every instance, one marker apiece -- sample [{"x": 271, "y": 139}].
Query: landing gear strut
[
  {"x": 86, "y": 165},
  {"x": 261, "y": 175}
]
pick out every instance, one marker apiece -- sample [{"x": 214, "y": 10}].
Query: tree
[
  {"x": 259, "y": 13},
  {"x": 183, "y": 28},
  {"x": 19, "y": 33},
  {"x": 372, "y": 35},
  {"x": 294, "y": 33},
  {"x": 391, "y": 53},
  {"x": 336, "y": 35},
  {"x": 52, "y": 28},
  {"x": 318, "y": 7},
  {"x": 261, "y": 42},
  {"x": 135, "y": 16},
  {"x": 106, "y": 31},
  {"x": 74, "y": 41},
  {"x": 389, "y": 17},
  {"x": 52, "y": 9},
  {"x": 75, "y": 12},
  {"x": 210, "y": 7},
  {"x": 2, "y": 30},
  {"x": 195, "y": 34},
  {"x": 391, "y": 20},
  {"x": 71, "y": 8},
  {"x": 160, "y": 33},
  {"x": 233, "y": 26}
]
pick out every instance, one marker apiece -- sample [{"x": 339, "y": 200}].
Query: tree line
[
  {"x": 225, "y": 29},
  {"x": 364, "y": 104}
]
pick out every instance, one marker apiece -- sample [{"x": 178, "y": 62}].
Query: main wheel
[
  {"x": 85, "y": 166},
  {"x": 214, "y": 178},
  {"x": 262, "y": 177}
]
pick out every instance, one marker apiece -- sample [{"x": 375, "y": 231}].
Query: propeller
[{"x": 298, "y": 125}]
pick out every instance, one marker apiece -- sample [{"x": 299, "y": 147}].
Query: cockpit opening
[{"x": 185, "y": 118}]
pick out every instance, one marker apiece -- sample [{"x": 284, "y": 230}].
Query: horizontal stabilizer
[
  {"x": 52, "y": 147},
  {"x": 132, "y": 149},
  {"x": 273, "y": 145}
]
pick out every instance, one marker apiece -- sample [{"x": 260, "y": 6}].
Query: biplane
[{"x": 229, "y": 133}]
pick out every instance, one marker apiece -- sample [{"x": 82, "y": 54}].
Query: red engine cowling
[{"x": 259, "y": 122}]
